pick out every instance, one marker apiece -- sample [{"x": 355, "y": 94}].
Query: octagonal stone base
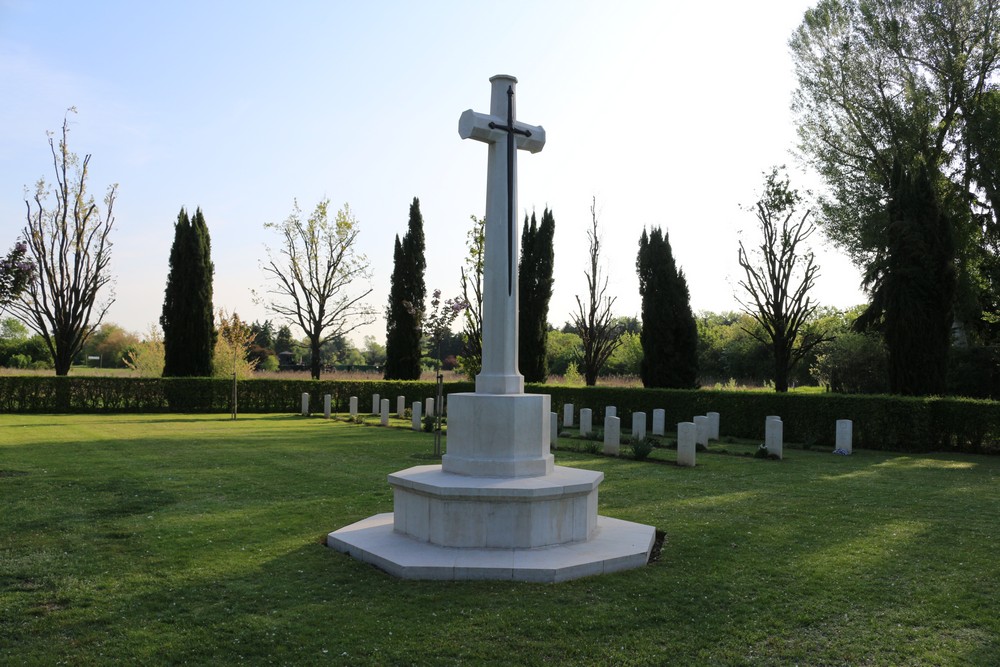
[
  {"x": 432, "y": 505},
  {"x": 614, "y": 545}
]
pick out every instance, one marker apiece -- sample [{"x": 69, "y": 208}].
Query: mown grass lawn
[{"x": 176, "y": 538}]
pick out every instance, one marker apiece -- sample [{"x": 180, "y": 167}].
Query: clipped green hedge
[
  {"x": 34, "y": 394},
  {"x": 880, "y": 422}
]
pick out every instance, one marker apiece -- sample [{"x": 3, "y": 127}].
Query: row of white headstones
[
  {"x": 380, "y": 407},
  {"x": 689, "y": 434}
]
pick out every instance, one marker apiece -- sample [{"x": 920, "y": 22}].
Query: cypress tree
[
  {"x": 669, "y": 334},
  {"x": 187, "y": 318},
  {"x": 919, "y": 285},
  {"x": 404, "y": 314},
  {"x": 534, "y": 292}
]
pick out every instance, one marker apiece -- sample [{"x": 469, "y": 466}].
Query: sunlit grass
[{"x": 178, "y": 538}]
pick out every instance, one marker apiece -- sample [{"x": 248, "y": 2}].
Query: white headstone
[
  {"x": 586, "y": 419},
  {"x": 384, "y": 411},
  {"x": 610, "y": 411},
  {"x": 305, "y": 404},
  {"x": 659, "y": 421},
  {"x": 567, "y": 415},
  {"x": 713, "y": 425},
  {"x": 327, "y": 400},
  {"x": 774, "y": 437},
  {"x": 401, "y": 407},
  {"x": 376, "y": 403},
  {"x": 354, "y": 406},
  {"x": 701, "y": 430},
  {"x": 845, "y": 435},
  {"x": 553, "y": 429},
  {"x": 429, "y": 407},
  {"x": 638, "y": 425},
  {"x": 612, "y": 436},
  {"x": 417, "y": 416},
  {"x": 686, "y": 448}
]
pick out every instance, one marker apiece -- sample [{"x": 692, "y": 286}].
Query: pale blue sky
[{"x": 666, "y": 112}]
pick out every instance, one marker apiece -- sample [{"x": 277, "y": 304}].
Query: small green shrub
[{"x": 642, "y": 448}]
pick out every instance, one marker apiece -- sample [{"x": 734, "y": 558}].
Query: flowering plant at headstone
[
  {"x": 437, "y": 323},
  {"x": 15, "y": 273},
  {"x": 841, "y": 452}
]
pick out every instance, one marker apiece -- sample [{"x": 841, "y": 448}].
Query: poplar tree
[
  {"x": 405, "y": 311},
  {"x": 534, "y": 292},
  {"x": 187, "y": 319},
  {"x": 669, "y": 333}
]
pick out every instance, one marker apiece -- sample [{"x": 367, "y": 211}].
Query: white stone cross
[{"x": 500, "y": 374}]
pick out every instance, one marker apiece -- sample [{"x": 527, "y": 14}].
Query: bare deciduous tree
[
  {"x": 472, "y": 295},
  {"x": 778, "y": 288},
  {"x": 598, "y": 329},
  {"x": 314, "y": 276},
  {"x": 70, "y": 248}
]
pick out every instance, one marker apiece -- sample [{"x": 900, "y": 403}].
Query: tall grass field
[{"x": 177, "y": 539}]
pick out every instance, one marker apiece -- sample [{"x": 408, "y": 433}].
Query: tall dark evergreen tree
[
  {"x": 914, "y": 285},
  {"x": 404, "y": 314},
  {"x": 187, "y": 319},
  {"x": 669, "y": 334},
  {"x": 534, "y": 292}
]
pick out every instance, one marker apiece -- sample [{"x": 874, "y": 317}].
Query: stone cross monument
[
  {"x": 500, "y": 373},
  {"x": 497, "y": 507}
]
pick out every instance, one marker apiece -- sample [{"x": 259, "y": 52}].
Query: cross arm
[{"x": 473, "y": 125}]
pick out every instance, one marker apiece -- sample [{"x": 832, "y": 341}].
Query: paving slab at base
[{"x": 616, "y": 545}]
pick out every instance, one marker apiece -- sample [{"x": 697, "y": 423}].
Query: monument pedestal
[{"x": 484, "y": 516}]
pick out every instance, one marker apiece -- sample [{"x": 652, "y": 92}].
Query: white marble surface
[
  {"x": 498, "y": 435},
  {"x": 774, "y": 437},
  {"x": 713, "y": 425},
  {"x": 686, "y": 447},
  {"x": 612, "y": 435},
  {"x": 845, "y": 435},
  {"x": 616, "y": 545},
  {"x": 701, "y": 430}
]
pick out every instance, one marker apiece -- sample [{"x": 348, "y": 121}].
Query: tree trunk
[
  {"x": 781, "y": 357},
  {"x": 314, "y": 348}
]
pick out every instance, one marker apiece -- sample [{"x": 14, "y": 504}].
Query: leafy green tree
[
  {"x": 283, "y": 341},
  {"x": 187, "y": 319},
  {"x": 69, "y": 245},
  {"x": 728, "y": 354},
  {"x": 892, "y": 89},
  {"x": 318, "y": 278},
  {"x": 12, "y": 330},
  {"x": 374, "y": 352},
  {"x": 627, "y": 357},
  {"x": 778, "y": 280},
  {"x": 263, "y": 334},
  {"x": 669, "y": 333},
  {"x": 853, "y": 363},
  {"x": 405, "y": 313},
  {"x": 534, "y": 292},
  {"x": 15, "y": 273},
  {"x": 562, "y": 350},
  {"x": 112, "y": 344},
  {"x": 594, "y": 321}
]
